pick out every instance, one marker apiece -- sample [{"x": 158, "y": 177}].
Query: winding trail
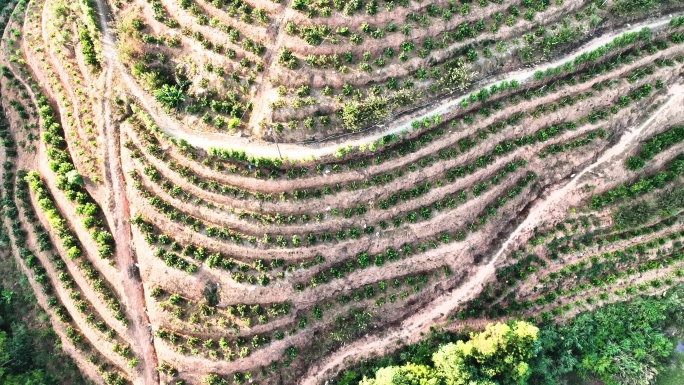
[
  {"x": 180, "y": 130},
  {"x": 121, "y": 229},
  {"x": 553, "y": 206}
]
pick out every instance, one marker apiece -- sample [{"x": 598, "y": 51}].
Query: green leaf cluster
[{"x": 499, "y": 355}]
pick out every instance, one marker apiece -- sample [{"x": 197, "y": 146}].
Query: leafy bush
[
  {"x": 356, "y": 115},
  {"x": 169, "y": 96},
  {"x": 287, "y": 59},
  {"x": 458, "y": 74},
  {"x": 26, "y": 355},
  {"x": 635, "y": 163},
  {"x": 88, "y": 48},
  {"x": 633, "y": 215}
]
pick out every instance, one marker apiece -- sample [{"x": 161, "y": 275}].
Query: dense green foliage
[
  {"x": 497, "y": 355},
  {"x": 29, "y": 354},
  {"x": 673, "y": 374},
  {"x": 637, "y": 7},
  {"x": 356, "y": 115},
  {"x": 638, "y": 213},
  {"x": 169, "y": 96},
  {"x": 641, "y": 186},
  {"x": 654, "y": 146},
  {"x": 17, "y": 351},
  {"x": 621, "y": 343},
  {"x": 88, "y": 48},
  {"x": 69, "y": 181}
]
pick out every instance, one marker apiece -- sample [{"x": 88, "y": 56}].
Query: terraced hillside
[{"x": 229, "y": 192}]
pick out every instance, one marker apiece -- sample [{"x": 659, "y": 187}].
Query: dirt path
[
  {"x": 119, "y": 213},
  {"x": 344, "y": 199},
  {"x": 261, "y": 108},
  {"x": 296, "y": 151},
  {"x": 553, "y": 206}
]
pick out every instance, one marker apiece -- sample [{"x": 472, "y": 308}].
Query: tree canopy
[
  {"x": 29, "y": 354},
  {"x": 459, "y": 74},
  {"x": 620, "y": 344},
  {"x": 498, "y": 355}
]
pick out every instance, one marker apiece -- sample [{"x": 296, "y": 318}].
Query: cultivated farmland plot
[{"x": 255, "y": 191}]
